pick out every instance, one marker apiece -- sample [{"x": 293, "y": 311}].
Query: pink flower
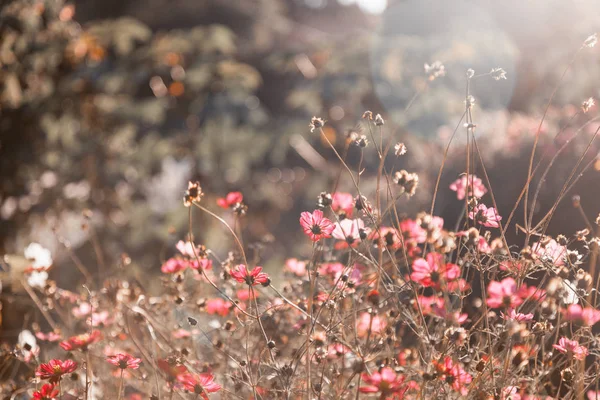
[
  {"x": 230, "y": 200},
  {"x": 593, "y": 395},
  {"x": 100, "y": 318},
  {"x": 488, "y": 217},
  {"x": 515, "y": 316},
  {"x": 81, "y": 311},
  {"x": 349, "y": 230},
  {"x": 81, "y": 342},
  {"x": 173, "y": 265},
  {"x": 342, "y": 203},
  {"x": 296, "y": 267},
  {"x": 187, "y": 249},
  {"x": 433, "y": 271},
  {"x": 55, "y": 369},
  {"x": 315, "y": 225},
  {"x": 203, "y": 263},
  {"x": 370, "y": 322},
  {"x": 252, "y": 278},
  {"x": 199, "y": 384},
  {"x": 572, "y": 348},
  {"x": 47, "y": 392},
  {"x": 587, "y": 316},
  {"x": 385, "y": 381},
  {"x": 552, "y": 252},
  {"x": 503, "y": 294},
  {"x": 453, "y": 373},
  {"x": 218, "y": 306},
  {"x": 475, "y": 187},
  {"x": 124, "y": 361},
  {"x": 48, "y": 337}
]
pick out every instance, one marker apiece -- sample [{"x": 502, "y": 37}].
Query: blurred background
[{"x": 108, "y": 108}]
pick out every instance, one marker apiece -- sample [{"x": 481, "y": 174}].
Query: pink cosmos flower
[
  {"x": 124, "y": 361},
  {"x": 516, "y": 316},
  {"x": 434, "y": 270},
  {"x": 553, "y": 252},
  {"x": 296, "y": 267},
  {"x": 366, "y": 320},
  {"x": 199, "y": 384},
  {"x": 588, "y": 316},
  {"x": 386, "y": 237},
  {"x": 572, "y": 348},
  {"x": 454, "y": 373},
  {"x": 503, "y": 294},
  {"x": 82, "y": 310},
  {"x": 385, "y": 381},
  {"x": 252, "y": 278},
  {"x": 55, "y": 369},
  {"x": 81, "y": 342},
  {"x": 593, "y": 395},
  {"x": 315, "y": 226},
  {"x": 48, "y": 337},
  {"x": 218, "y": 306},
  {"x": 230, "y": 200},
  {"x": 349, "y": 230},
  {"x": 342, "y": 203},
  {"x": 487, "y": 217},
  {"x": 475, "y": 187},
  {"x": 173, "y": 265}
]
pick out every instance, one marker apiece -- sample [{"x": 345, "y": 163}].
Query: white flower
[
  {"x": 569, "y": 295},
  {"x": 349, "y": 230},
  {"x": 591, "y": 40},
  {"x": 38, "y": 255},
  {"x": 37, "y": 279}
]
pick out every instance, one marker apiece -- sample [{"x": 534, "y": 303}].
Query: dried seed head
[
  {"x": 192, "y": 194},
  {"x": 368, "y": 115},
  {"x": 435, "y": 70},
  {"x": 379, "y": 120},
  {"x": 470, "y": 73},
  {"x": 316, "y": 123},
  {"x": 498, "y": 73},
  {"x": 407, "y": 181},
  {"x": 400, "y": 149},
  {"x": 324, "y": 200},
  {"x": 362, "y": 141},
  {"x": 587, "y": 104},
  {"x": 470, "y": 102},
  {"x": 591, "y": 41}
]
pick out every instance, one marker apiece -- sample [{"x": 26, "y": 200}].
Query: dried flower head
[
  {"x": 379, "y": 120},
  {"x": 470, "y": 102},
  {"x": 435, "y": 70},
  {"x": 407, "y": 181},
  {"x": 400, "y": 149},
  {"x": 498, "y": 73},
  {"x": 470, "y": 73},
  {"x": 587, "y": 104},
  {"x": 316, "y": 123},
  {"x": 362, "y": 141},
  {"x": 591, "y": 41},
  {"x": 324, "y": 200},
  {"x": 192, "y": 194},
  {"x": 368, "y": 115}
]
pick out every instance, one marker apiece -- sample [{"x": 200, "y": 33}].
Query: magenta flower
[
  {"x": 199, "y": 384},
  {"x": 587, "y": 316},
  {"x": 503, "y": 294},
  {"x": 571, "y": 348},
  {"x": 475, "y": 187},
  {"x": 342, "y": 203},
  {"x": 315, "y": 226},
  {"x": 434, "y": 270},
  {"x": 173, "y": 265},
  {"x": 252, "y": 278},
  {"x": 47, "y": 392},
  {"x": 516, "y": 316},
  {"x": 454, "y": 374},
  {"x": 385, "y": 381},
  {"x": 124, "y": 361},
  {"x": 488, "y": 217},
  {"x": 230, "y": 200},
  {"x": 55, "y": 369}
]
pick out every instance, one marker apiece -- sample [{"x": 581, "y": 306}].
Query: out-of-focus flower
[
  {"x": 316, "y": 123},
  {"x": 28, "y": 346},
  {"x": 351, "y": 231},
  {"x": 174, "y": 265},
  {"x": 474, "y": 187},
  {"x": 587, "y": 316},
  {"x": 503, "y": 294},
  {"x": 47, "y": 392},
  {"x": 171, "y": 368},
  {"x": 81, "y": 342},
  {"x": 199, "y": 384},
  {"x": 593, "y": 395},
  {"x": 40, "y": 257},
  {"x": 315, "y": 225},
  {"x": 454, "y": 374},
  {"x": 385, "y": 381},
  {"x": 572, "y": 348},
  {"x": 407, "y": 181},
  {"x": 48, "y": 337},
  {"x": 230, "y": 200},
  {"x": 516, "y": 316},
  {"x": 342, "y": 204},
  {"x": 550, "y": 251},
  {"x": 124, "y": 361},
  {"x": 37, "y": 279},
  {"x": 498, "y": 73},
  {"x": 487, "y": 217},
  {"x": 218, "y": 306},
  {"x": 400, "y": 149},
  {"x": 53, "y": 370},
  {"x": 295, "y": 266},
  {"x": 591, "y": 40},
  {"x": 367, "y": 321},
  {"x": 435, "y": 70},
  {"x": 252, "y": 278},
  {"x": 82, "y": 310}
]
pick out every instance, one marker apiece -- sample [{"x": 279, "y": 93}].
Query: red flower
[
  {"x": 54, "y": 369},
  {"x": 171, "y": 368},
  {"x": 124, "y": 361},
  {"x": 453, "y": 374},
  {"x": 218, "y": 306},
  {"x": 315, "y": 226},
  {"x": 386, "y": 381},
  {"x": 230, "y": 200},
  {"x": 199, "y": 384},
  {"x": 503, "y": 293},
  {"x": 47, "y": 392},
  {"x": 81, "y": 341},
  {"x": 433, "y": 271},
  {"x": 254, "y": 277}
]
